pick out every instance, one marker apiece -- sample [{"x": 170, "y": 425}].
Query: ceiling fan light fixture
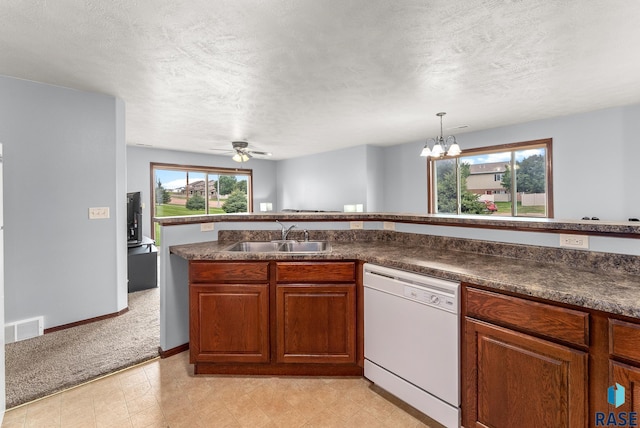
[{"x": 241, "y": 156}]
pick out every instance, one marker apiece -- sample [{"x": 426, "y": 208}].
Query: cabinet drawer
[
  {"x": 568, "y": 325},
  {"x": 316, "y": 272},
  {"x": 203, "y": 271},
  {"x": 624, "y": 340}
]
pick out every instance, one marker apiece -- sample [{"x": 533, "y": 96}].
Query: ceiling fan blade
[{"x": 254, "y": 152}]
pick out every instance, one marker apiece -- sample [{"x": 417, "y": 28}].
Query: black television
[{"x": 134, "y": 219}]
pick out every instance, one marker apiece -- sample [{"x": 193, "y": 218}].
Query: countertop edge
[{"x": 617, "y": 294}]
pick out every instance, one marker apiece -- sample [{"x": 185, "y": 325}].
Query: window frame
[
  {"x": 546, "y": 143},
  {"x": 153, "y": 166}
]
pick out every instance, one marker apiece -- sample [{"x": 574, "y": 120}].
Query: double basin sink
[{"x": 281, "y": 247}]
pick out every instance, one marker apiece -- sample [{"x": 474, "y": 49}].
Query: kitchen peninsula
[
  {"x": 599, "y": 291},
  {"x": 597, "y": 280}
]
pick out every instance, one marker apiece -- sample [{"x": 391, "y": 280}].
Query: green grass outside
[
  {"x": 168, "y": 210},
  {"x": 504, "y": 208}
]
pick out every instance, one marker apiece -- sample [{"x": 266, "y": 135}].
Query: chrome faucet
[{"x": 285, "y": 231}]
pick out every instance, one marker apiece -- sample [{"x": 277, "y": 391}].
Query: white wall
[
  {"x": 63, "y": 153},
  {"x": 587, "y": 181},
  {"x": 139, "y": 174}
]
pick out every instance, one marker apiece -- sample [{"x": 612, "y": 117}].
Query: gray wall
[
  {"x": 375, "y": 179},
  {"x": 326, "y": 181},
  {"x": 378, "y": 177},
  {"x": 405, "y": 184},
  {"x": 63, "y": 153},
  {"x": 595, "y": 157},
  {"x": 631, "y": 150},
  {"x": 139, "y": 174}
]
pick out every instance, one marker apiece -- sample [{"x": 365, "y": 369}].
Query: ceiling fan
[{"x": 241, "y": 151}]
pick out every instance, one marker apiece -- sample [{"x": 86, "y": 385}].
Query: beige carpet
[{"x": 46, "y": 364}]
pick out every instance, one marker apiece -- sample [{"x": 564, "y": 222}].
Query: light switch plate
[
  {"x": 96, "y": 213},
  {"x": 356, "y": 225},
  {"x": 207, "y": 227}
]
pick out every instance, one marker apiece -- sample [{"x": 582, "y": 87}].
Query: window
[
  {"x": 180, "y": 190},
  {"x": 505, "y": 180}
]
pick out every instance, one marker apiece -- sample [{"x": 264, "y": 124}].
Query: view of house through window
[
  {"x": 193, "y": 190},
  {"x": 507, "y": 180}
]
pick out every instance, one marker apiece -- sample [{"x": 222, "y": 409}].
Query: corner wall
[
  {"x": 63, "y": 153},
  {"x": 325, "y": 181}
]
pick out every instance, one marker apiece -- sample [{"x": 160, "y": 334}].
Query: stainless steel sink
[
  {"x": 255, "y": 247},
  {"x": 281, "y": 247},
  {"x": 306, "y": 247}
]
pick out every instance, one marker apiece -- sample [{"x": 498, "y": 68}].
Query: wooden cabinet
[
  {"x": 229, "y": 312},
  {"x": 517, "y": 380},
  {"x": 624, "y": 362},
  {"x": 269, "y": 317},
  {"x": 316, "y": 313},
  {"x": 531, "y": 363},
  {"x": 517, "y": 367},
  {"x": 629, "y": 377},
  {"x": 230, "y": 323}
]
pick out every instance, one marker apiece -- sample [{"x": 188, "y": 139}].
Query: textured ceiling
[{"x": 297, "y": 77}]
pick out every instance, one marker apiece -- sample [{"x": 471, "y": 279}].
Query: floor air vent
[{"x": 24, "y": 329}]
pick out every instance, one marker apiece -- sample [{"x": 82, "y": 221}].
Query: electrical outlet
[
  {"x": 574, "y": 241},
  {"x": 207, "y": 227},
  {"x": 389, "y": 225},
  {"x": 98, "y": 213},
  {"x": 356, "y": 225}
]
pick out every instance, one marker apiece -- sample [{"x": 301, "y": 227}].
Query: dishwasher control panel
[
  {"x": 430, "y": 297},
  {"x": 434, "y": 292}
]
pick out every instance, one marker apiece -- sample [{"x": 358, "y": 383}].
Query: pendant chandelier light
[{"x": 441, "y": 146}]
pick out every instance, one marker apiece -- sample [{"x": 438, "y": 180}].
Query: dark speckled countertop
[{"x": 605, "y": 289}]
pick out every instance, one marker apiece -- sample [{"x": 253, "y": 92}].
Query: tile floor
[{"x": 164, "y": 393}]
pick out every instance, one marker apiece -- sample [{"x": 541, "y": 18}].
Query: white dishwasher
[{"x": 411, "y": 340}]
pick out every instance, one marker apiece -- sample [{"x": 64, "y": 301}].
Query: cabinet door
[
  {"x": 229, "y": 323},
  {"x": 629, "y": 377},
  {"x": 515, "y": 380},
  {"x": 316, "y": 323}
]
